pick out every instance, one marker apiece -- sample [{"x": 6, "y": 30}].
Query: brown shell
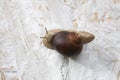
[{"x": 72, "y": 43}]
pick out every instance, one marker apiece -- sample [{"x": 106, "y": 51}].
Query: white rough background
[{"x": 24, "y": 57}]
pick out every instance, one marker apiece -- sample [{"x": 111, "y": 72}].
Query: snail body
[{"x": 67, "y": 43}]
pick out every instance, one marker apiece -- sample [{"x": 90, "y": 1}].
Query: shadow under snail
[{"x": 67, "y": 43}]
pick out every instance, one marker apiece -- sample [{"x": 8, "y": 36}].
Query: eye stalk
[{"x": 46, "y": 30}]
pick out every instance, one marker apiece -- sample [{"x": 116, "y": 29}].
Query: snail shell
[{"x": 67, "y": 43}]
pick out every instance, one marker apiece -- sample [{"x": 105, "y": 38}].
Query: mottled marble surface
[{"x": 24, "y": 57}]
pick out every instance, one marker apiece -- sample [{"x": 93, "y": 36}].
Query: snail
[{"x": 66, "y": 42}]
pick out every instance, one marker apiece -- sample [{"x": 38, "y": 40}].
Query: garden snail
[{"x": 67, "y": 43}]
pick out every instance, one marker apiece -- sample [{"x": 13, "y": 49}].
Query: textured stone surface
[{"x": 24, "y": 57}]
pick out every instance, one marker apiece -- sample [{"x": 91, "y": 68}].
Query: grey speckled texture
[{"x": 24, "y": 57}]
